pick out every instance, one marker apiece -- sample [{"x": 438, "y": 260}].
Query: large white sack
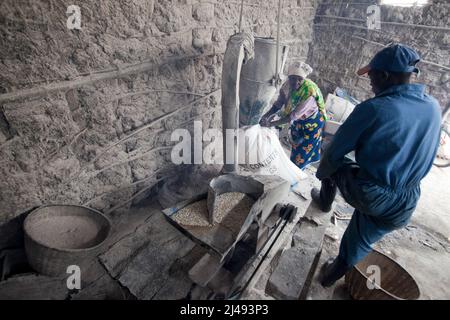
[{"x": 263, "y": 154}]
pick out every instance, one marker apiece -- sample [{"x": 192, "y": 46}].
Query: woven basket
[{"x": 51, "y": 254}]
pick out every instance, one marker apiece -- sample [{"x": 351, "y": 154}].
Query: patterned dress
[{"x": 306, "y": 133}]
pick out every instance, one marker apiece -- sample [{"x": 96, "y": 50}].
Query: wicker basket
[
  {"x": 50, "y": 248},
  {"x": 395, "y": 282}
]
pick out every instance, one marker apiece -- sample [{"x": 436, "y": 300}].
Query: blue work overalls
[{"x": 395, "y": 136}]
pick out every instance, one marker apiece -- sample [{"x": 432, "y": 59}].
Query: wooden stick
[
  {"x": 124, "y": 187},
  {"x": 240, "y": 15},
  {"x": 133, "y": 197},
  {"x": 131, "y": 159},
  {"x": 93, "y": 174},
  {"x": 130, "y": 94},
  {"x": 152, "y": 123}
]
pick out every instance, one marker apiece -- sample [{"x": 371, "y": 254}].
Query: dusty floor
[
  {"x": 422, "y": 248},
  {"x": 433, "y": 211}
]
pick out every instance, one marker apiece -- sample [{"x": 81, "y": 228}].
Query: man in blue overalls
[{"x": 395, "y": 136}]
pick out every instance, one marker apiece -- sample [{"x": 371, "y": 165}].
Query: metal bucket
[
  {"x": 395, "y": 282},
  {"x": 256, "y": 87}
]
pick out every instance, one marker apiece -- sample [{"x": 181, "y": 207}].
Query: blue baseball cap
[{"x": 395, "y": 58}]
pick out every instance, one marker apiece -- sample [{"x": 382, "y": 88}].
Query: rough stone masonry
[
  {"x": 342, "y": 43},
  {"x": 86, "y": 115}
]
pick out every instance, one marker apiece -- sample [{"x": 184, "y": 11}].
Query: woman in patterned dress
[{"x": 301, "y": 104}]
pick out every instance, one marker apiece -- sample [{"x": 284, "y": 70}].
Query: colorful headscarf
[{"x": 307, "y": 89}]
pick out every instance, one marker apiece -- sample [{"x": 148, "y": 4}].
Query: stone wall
[
  {"x": 86, "y": 115},
  {"x": 343, "y": 43}
]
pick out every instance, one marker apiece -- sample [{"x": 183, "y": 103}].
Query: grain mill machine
[{"x": 235, "y": 236}]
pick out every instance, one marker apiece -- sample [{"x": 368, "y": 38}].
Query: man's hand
[{"x": 265, "y": 121}]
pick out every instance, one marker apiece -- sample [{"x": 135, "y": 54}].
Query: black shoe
[
  {"x": 332, "y": 271},
  {"x": 315, "y": 195}
]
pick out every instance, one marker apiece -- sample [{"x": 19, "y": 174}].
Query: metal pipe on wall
[
  {"x": 239, "y": 51},
  {"x": 257, "y": 85}
]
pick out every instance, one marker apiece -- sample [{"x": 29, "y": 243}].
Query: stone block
[
  {"x": 33, "y": 287},
  {"x": 296, "y": 265},
  {"x": 201, "y": 38},
  {"x": 203, "y": 12},
  {"x": 205, "y": 269}
]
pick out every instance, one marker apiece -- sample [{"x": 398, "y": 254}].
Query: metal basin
[
  {"x": 395, "y": 282},
  {"x": 58, "y": 236}
]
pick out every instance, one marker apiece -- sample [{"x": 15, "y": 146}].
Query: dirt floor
[{"x": 422, "y": 248}]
